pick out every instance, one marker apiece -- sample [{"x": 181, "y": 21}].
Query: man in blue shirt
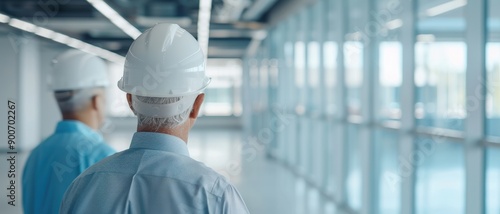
[
  {"x": 164, "y": 78},
  {"x": 78, "y": 80}
]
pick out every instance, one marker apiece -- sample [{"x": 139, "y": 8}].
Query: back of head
[
  {"x": 75, "y": 77},
  {"x": 164, "y": 72}
]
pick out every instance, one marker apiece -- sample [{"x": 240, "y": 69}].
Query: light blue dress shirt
[
  {"x": 156, "y": 175},
  {"x": 56, "y": 162}
]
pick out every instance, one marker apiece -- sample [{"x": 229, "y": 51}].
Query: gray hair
[
  {"x": 156, "y": 122},
  {"x": 71, "y": 101}
]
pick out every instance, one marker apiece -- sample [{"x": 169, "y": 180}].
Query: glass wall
[
  {"x": 390, "y": 78},
  {"x": 493, "y": 69},
  {"x": 377, "y": 95},
  {"x": 440, "y": 57},
  {"x": 331, "y": 94},
  {"x": 354, "y": 48},
  {"x": 390, "y": 61},
  {"x": 440, "y": 183},
  {"x": 354, "y": 175},
  {"x": 388, "y": 176},
  {"x": 223, "y": 96},
  {"x": 300, "y": 60}
]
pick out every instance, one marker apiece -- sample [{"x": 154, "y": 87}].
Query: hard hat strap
[{"x": 163, "y": 110}]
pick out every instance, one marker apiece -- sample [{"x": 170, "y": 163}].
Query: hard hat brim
[{"x": 140, "y": 91}]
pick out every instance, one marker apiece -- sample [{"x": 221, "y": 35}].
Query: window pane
[
  {"x": 493, "y": 181},
  {"x": 300, "y": 61},
  {"x": 263, "y": 80},
  {"x": 304, "y": 148},
  {"x": 313, "y": 52},
  {"x": 389, "y": 177},
  {"x": 330, "y": 167},
  {"x": 253, "y": 70},
  {"x": 330, "y": 49},
  {"x": 223, "y": 97},
  {"x": 317, "y": 155},
  {"x": 353, "y": 54},
  {"x": 289, "y": 63},
  {"x": 354, "y": 167},
  {"x": 390, "y": 78},
  {"x": 440, "y": 64},
  {"x": 388, "y": 12},
  {"x": 300, "y": 64},
  {"x": 117, "y": 105},
  {"x": 314, "y": 71},
  {"x": 440, "y": 176},
  {"x": 493, "y": 69},
  {"x": 330, "y": 54}
]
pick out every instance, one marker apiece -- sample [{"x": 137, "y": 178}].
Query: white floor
[{"x": 266, "y": 186}]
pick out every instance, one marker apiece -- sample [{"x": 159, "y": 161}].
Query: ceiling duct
[
  {"x": 257, "y": 9},
  {"x": 230, "y": 10},
  {"x": 162, "y": 9}
]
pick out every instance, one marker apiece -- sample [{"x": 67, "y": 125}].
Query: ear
[
  {"x": 129, "y": 100},
  {"x": 96, "y": 103},
  {"x": 197, "y": 106}
]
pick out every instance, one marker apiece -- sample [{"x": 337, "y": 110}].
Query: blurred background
[{"x": 316, "y": 106}]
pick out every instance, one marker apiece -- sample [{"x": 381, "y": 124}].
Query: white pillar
[
  {"x": 29, "y": 92},
  {"x": 8, "y": 82}
]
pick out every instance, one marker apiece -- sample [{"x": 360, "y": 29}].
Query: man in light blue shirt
[
  {"x": 156, "y": 174},
  {"x": 77, "y": 79}
]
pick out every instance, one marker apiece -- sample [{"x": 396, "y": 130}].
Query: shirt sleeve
[{"x": 233, "y": 202}]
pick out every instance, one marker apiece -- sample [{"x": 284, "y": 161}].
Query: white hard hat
[
  {"x": 164, "y": 61},
  {"x": 75, "y": 69}
]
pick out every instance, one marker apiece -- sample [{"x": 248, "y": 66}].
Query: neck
[
  {"x": 180, "y": 131},
  {"x": 82, "y": 117}
]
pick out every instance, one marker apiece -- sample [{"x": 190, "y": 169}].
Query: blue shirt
[
  {"x": 156, "y": 175},
  {"x": 56, "y": 162}
]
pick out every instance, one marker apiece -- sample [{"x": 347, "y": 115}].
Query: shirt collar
[
  {"x": 68, "y": 126},
  {"x": 159, "y": 141}
]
